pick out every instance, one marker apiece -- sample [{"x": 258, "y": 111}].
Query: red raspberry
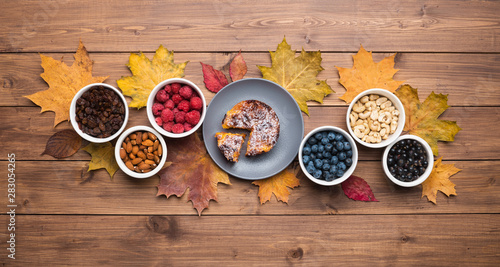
[
  {"x": 187, "y": 126},
  {"x": 196, "y": 103},
  {"x": 186, "y": 91},
  {"x": 184, "y": 106},
  {"x": 178, "y": 128},
  {"x": 159, "y": 121},
  {"x": 168, "y": 126},
  {"x": 167, "y": 115},
  {"x": 168, "y": 89},
  {"x": 157, "y": 108},
  {"x": 175, "y": 110},
  {"x": 169, "y": 104},
  {"x": 175, "y": 88},
  {"x": 193, "y": 117},
  {"x": 177, "y": 99},
  {"x": 162, "y": 96},
  {"x": 180, "y": 117}
]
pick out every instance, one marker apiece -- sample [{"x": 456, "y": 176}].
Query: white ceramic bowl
[
  {"x": 348, "y": 172},
  {"x": 396, "y": 103},
  {"x": 74, "y": 123},
  {"x": 151, "y": 100},
  {"x": 430, "y": 160},
  {"x": 122, "y": 165}
]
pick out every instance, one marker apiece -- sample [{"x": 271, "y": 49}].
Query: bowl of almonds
[
  {"x": 141, "y": 152},
  {"x": 375, "y": 118}
]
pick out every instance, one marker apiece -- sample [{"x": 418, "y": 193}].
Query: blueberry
[
  {"x": 349, "y": 153},
  {"x": 342, "y": 155},
  {"x": 306, "y": 150},
  {"x": 327, "y": 155},
  {"x": 328, "y": 147},
  {"x": 318, "y": 163},
  {"x": 340, "y": 173},
  {"x": 326, "y": 167},
  {"x": 334, "y": 160},
  {"x": 312, "y": 141},
  {"x": 310, "y": 169},
  {"x": 319, "y": 155},
  {"x": 313, "y": 156},
  {"x": 334, "y": 169},
  {"x": 331, "y": 136},
  {"x": 329, "y": 177},
  {"x": 314, "y": 148},
  {"x": 321, "y": 148},
  {"x": 347, "y": 145},
  {"x": 324, "y": 141},
  {"x": 341, "y": 166},
  {"x": 339, "y": 137},
  {"x": 318, "y": 136},
  {"x": 306, "y": 159},
  {"x": 317, "y": 174},
  {"x": 348, "y": 162},
  {"x": 325, "y": 134},
  {"x": 339, "y": 146},
  {"x": 334, "y": 151}
]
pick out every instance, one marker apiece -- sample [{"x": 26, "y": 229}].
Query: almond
[
  {"x": 129, "y": 147},
  {"x": 129, "y": 165},
  {"x": 156, "y": 144},
  {"x": 136, "y": 161},
  {"x": 123, "y": 153},
  {"x": 135, "y": 149},
  {"x": 131, "y": 156},
  {"x": 160, "y": 150},
  {"x": 150, "y": 162},
  {"x": 150, "y": 149},
  {"x": 150, "y": 156},
  {"x": 144, "y": 136},
  {"x": 147, "y": 143},
  {"x": 157, "y": 159},
  {"x": 141, "y": 155},
  {"x": 152, "y": 136},
  {"x": 139, "y": 138},
  {"x": 143, "y": 166}
]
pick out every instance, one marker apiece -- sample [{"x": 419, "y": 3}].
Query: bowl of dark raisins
[
  {"x": 408, "y": 161},
  {"x": 99, "y": 112},
  {"x": 328, "y": 155}
]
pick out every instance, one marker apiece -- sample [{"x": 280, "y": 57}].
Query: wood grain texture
[
  {"x": 448, "y": 26},
  {"x": 469, "y": 80},
  {"x": 65, "y": 187},
  {"x": 28, "y": 126},
  {"x": 257, "y": 240}
]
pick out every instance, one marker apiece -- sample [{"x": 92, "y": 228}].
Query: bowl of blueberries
[
  {"x": 328, "y": 155},
  {"x": 408, "y": 161}
]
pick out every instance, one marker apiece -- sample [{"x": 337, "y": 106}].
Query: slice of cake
[
  {"x": 260, "y": 119},
  {"x": 230, "y": 145}
]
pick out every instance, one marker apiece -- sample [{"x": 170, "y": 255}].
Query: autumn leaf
[
  {"x": 191, "y": 168},
  {"x": 146, "y": 74},
  {"x": 439, "y": 179},
  {"x": 103, "y": 156},
  {"x": 64, "y": 82},
  {"x": 238, "y": 67},
  {"x": 366, "y": 74},
  {"x": 63, "y": 144},
  {"x": 422, "y": 118},
  {"x": 277, "y": 185},
  {"x": 214, "y": 79},
  {"x": 357, "y": 188},
  {"x": 297, "y": 74}
]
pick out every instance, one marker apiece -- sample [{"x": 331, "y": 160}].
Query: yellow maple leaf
[
  {"x": 439, "y": 180},
  {"x": 297, "y": 74},
  {"x": 64, "y": 82},
  {"x": 277, "y": 185},
  {"x": 146, "y": 74},
  {"x": 366, "y": 74},
  {"x": 422, "y": 118},
  {"x": 103, "y": 156}
]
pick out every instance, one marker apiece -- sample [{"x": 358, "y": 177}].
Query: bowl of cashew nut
[{"x": 375, "y": 118}]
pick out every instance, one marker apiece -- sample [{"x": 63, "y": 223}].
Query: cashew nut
[
  {"x": 374, "y": 97},
  {"x": 381, "y": 100},
  {"x": 364, "y": 99},
  {"x": 367, "y": 128},
  {"x": 358, "y": 107},
  {"x": 359, "y": 131},
  {"x": 360, "y": 122},
  {"x": 386, "y": 128},
  {"x": 385, "y": 104},
  {"x": 395, "y": 113},
  {"x": 385, "y": 117},
  {"x": 374, "y": 126},
  {"x": 383, "y": 133},
  {"x": 353, "y": 117},
  {"x": 370, "y": 105},
  {"x": 394, "y": 125},
  {"x": 364, "y": 115},
  {"x": 374, "y": 114}
]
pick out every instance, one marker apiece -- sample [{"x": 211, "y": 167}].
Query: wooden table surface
[{"x": 446, "y": 46}]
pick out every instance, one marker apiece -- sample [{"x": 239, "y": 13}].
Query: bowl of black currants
[
  {"x": 408, "y": 161},
  {"x": 328, "y": 155}
]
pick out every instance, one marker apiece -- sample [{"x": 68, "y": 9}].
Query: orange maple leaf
[
  {"x": 64, "y": 82},
  {"x": 439, "y": 180},
  {"x": 366, "y": 74},
  {"x": 191, "y": 168},
  {"x": 277, "y": 185}
]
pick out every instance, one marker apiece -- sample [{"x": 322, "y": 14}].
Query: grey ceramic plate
[{"x": 291, "y": 128}]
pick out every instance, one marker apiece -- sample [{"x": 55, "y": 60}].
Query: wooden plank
[
  {"x": 25, "y": 125},
  {"x": 435, "y": 240},
  {"x": 65, "y": 187},
  {"x": 252, "y": 26},
  {"x": 469, "y": 80}
]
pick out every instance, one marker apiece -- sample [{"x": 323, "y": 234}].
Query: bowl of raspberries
[{"x": 176, "y": 107}]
